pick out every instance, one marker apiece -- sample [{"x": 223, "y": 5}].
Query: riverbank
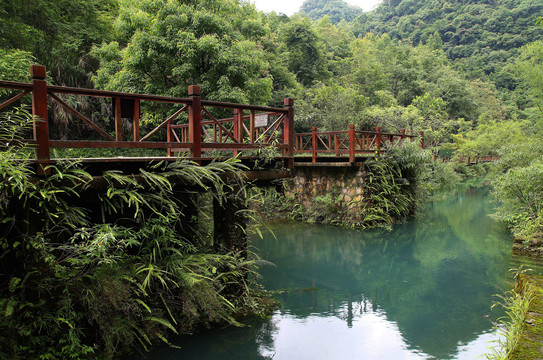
[
  {"x": 529, "y": 247},
  {"x": 530, "y": 343}
]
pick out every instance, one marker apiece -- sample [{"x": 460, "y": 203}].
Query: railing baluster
[
  {"x": 41, "y": 122},
  {"x": 239, "y": 135},
  {"x": 352, "y": 144},
  {"x": 195, "y": 120},
  {"x": 252, "y": 127},
  {"x": 169, "y": 137},
  {"x": 378, "y": 140},
  {"x": 237, "y": 129},
  {"x": 314, "y": 143},
  {"x": 136, "y": 121},
  {"x": 118, "y": 119},
  {"x": 288, "y": 131}
]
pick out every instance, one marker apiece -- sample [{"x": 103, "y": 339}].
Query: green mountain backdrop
[{"x": 480, "y": 36}]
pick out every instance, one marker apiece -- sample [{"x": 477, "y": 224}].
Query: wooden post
[
  {"x": 118, "y": 119},
  {"x": 402, "y": 134},
  {"x": 314, "y": 143},
  {"x": 240, "y": 132},
  {"x": 236, "y": 129},
  {"x": 336, "y": 144},
  {"x": 252, "y": 137},
  {"x": 421, "y": 133},
  {"x": 288, "y": 131},
  {"x": 240, "y": 126},
  {"x": 136, "y": 122},
  {"x": 352, "y": 143},
  {"x": 378, "y": 140},
  {"x": 169, "y": 137},
  {"x": 195, "y": 122},
  {"x": 41, "y": 121},
  {"x": 469, "y": 160}
]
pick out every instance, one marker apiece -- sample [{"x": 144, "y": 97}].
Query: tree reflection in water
[
  {"x": 420, "y": 291},
  {"x": 433, "y": 278}
]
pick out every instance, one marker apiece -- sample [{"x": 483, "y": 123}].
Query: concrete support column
[{"x": 230, "y": 223}]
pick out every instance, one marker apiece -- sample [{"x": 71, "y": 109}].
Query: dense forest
[{"x": 468, "y": 73}]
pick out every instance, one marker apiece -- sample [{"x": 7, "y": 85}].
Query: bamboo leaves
[{"x": 133, "y": 273}]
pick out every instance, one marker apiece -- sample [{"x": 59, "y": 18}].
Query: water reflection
[{"x": 420, "y": 291}]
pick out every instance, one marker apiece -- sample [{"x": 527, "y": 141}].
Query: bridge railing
[
  {"x": 350, "y": 142},
  {"x": 193, "y": 125},
  {"x": 201, "y": 131},
  {"x": 250, "y": 127}
]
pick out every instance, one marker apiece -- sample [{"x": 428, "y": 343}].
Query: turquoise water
[{"x": 422, "y": 290}]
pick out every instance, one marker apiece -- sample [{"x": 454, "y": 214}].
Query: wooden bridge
[{"x": 202, "y": 130}]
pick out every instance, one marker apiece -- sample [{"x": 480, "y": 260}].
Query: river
[{"x": 422, "y": 290}]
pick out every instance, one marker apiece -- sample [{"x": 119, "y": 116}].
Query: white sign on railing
[{"x": 261, "y": 120}]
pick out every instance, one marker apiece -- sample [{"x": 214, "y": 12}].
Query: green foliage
[
  {"x": 14, "y": 65},
  {"x": 520, "y": 192},
  {"x": 387, "y": 200},
  {"x": 488, "y": 138},
  {"x": 304, "y": 52},
  {"x": 335, "y": 10},
  {"x": 57, "y": 33},
  {"x": 480, "y": 36},
  {"x": 516, "y": 305},
  {"x": 530, "y": 68},
  {"x": 164, "y": 46},
  {"x": 116, "y": 276},
  {"x": 14, "y": 174},
  {"x": 330, "y": 108},
  {"x": 397, "y": 184},
  {"x": 407, "y": 72}
]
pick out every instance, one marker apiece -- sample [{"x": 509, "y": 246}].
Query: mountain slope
[
  {"x": 336, "y": 10},
  {"x": 479, "y": 35}
]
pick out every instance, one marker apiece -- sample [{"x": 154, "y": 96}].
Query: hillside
[
  {"x": 336, "y": 10},
  {"x": 479, "y": 35}
]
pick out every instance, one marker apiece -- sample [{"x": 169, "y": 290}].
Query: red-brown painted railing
[
  {"x": 250, "y": 127},
  {"x": 351, "y": 142},
  {"x": 235, "y": 134}
]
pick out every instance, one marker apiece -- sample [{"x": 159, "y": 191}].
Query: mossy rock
[{"x": 530, "y": 345}]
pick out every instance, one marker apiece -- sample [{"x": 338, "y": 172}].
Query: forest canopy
[{"x": 438, "y": 66}]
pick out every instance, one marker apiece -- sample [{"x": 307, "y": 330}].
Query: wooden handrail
[
  {"x": 243, "y": 135},
  {"x": 345, "y": 142},
  {"x": 236, "y": 133}
]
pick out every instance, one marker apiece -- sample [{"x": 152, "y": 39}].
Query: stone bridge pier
[{"x": 321, "y": 185}]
